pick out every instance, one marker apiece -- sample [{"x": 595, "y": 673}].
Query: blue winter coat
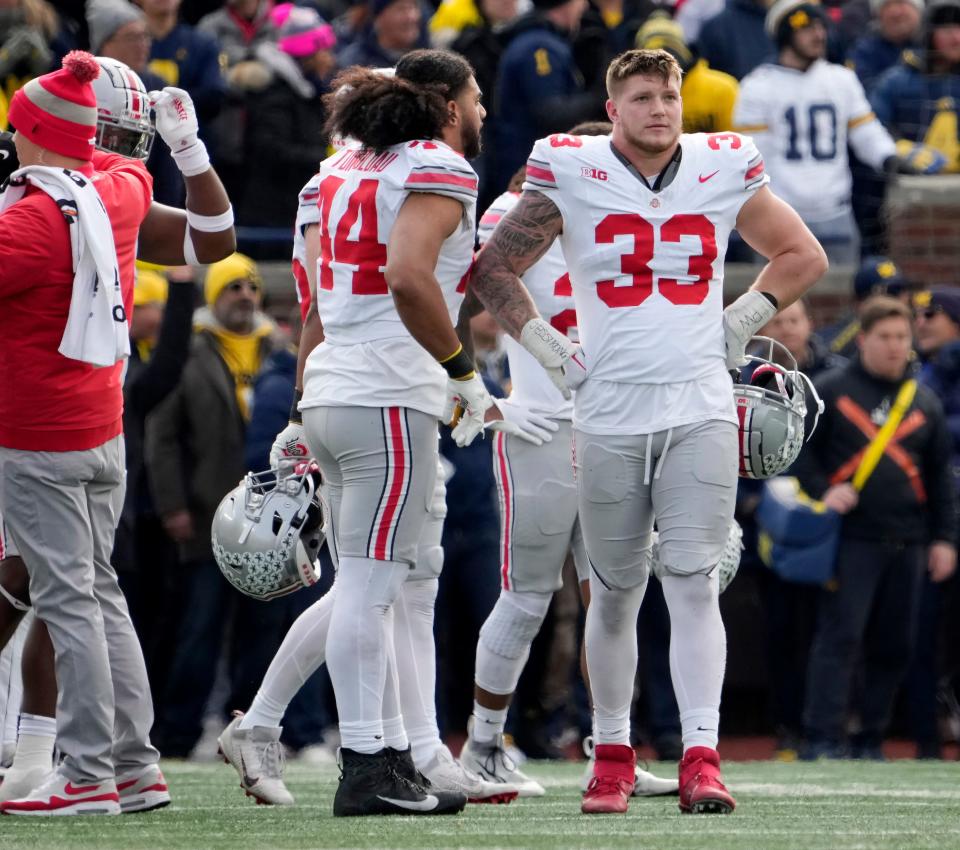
[
  {"x": 906, "y": 99},
  {"x": 272, "y": 398},
  {"x": 872, "y": 55},
  {"x": 942, "y": 375},
  {"x": 734, "y": 41}
]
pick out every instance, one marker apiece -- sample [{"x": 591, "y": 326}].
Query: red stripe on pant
[
  {"x": 398, "y": 463},
  {"x": 506, "y": 517}
]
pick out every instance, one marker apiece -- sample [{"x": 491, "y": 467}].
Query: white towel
[{"x": 97, "y": 330}]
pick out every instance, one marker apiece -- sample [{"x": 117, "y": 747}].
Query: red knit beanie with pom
[{"x": 58, "y": 111}]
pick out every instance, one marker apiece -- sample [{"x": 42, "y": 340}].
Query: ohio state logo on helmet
[{"x": 267, "y": 533}]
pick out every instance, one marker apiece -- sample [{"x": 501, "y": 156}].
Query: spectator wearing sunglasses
[{"x": 195, "y": 454}]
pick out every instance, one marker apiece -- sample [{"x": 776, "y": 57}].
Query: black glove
[{"x": 8, "y": 156}]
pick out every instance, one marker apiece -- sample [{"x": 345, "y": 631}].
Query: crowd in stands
[
  {"x": 881, "y": 96},
  {"x": 257, "y": 70}
]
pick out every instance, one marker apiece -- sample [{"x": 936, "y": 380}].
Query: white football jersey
[
  {"x": 308, "y": 212},
  {"x": 647, "y": 274},
  {"x": 368, "y": 357},
  {"x": 801, "y": 122},
  {"x": 550, "y": 288}
]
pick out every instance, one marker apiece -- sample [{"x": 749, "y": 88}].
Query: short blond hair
[{"x": 648, "y": 63}]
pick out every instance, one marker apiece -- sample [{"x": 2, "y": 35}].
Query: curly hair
[
  {"x": 652, "y": 63},
  {"x": 445, "y": 69},
  {"x": 380, "y": 111}
]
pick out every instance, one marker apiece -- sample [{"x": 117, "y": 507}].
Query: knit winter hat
[
  {"x": 301, "y": 30},
  {"x": 58, "y": 111},
  {"x": 660, "y": 32},
  {"x": 150, "y": 287},
  {"x": 221, "y": 275},
  {"x": 787, "y": 16},
  {"x": 105, "y": 17}
]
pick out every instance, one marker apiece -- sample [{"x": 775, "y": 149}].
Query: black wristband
[
  {"x": 295, "y": 414},
  {"x": 772, "y": 299},
  {"x": 458, "y": 365}
]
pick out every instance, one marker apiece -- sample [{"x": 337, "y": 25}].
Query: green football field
[{"x": 818, "y": 806}]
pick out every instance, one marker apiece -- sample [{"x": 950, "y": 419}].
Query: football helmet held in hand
[
  {"x": 267, "y": 533},
  {"x": 771, "y": 410}
]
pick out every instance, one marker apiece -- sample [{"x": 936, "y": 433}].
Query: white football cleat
[
  {"x": 445, "y": 773},
  {"x": 257, "y": 756},
  {"x": 645, "y": 783},
  {"x": 491, "y": 762},
  {"x": 143, "y": 790},
  {"x": 59, "y": 795},
  {"x": 19, "y": 782}
]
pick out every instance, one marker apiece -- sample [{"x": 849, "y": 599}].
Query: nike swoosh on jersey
[
  {"x": 427, "y": 804},
  {"x": 703, "y": 179}
]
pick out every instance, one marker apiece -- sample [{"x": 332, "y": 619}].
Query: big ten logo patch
[{"x": 593, "y": 173}]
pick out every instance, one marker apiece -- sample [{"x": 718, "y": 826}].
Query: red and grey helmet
[
  {"x": 124, "y": 125},
  {"x": 771, "y": 409}
]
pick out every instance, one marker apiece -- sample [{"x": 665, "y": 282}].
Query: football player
[
  {"x": 643, "y": 217},
  {"x": 396, "y": 240},
  {"x": 251, "y": 740},
  {"x": 538, "y": 514},
  {"x": 802, "y": 111},
  {"x": 203, "y": 233}
]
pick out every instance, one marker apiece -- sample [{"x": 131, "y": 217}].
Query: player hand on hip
[
  {"x": 741, "y": 320},
  {"x": 290, "y": 444},
  {"x": 552, "y": 350},
  {"x": 522, "y": 422},
  {"x": 467, "y": 402}
]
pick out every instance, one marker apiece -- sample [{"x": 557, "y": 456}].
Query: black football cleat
[{"x": 382, "y": 784}]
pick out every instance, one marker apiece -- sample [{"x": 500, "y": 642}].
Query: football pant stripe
[{"x": 504, "y": 478}]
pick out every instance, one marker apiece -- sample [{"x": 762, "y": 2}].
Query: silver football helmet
[
  {"x": 124, "y": 125},
  {"x": 727, "y": 566},
  {"x": 771, "y": 409},
  {"x": 267, "y": 533}
]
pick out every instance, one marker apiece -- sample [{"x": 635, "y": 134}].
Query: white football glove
[
  {"x": 523, "y": 423},
  {"x": 467, "y": 402},
  {"x": 551, "y": 349},
  {"x": 289, "y": 444},
  {"x": 741, "y": 320},
  {"x": 176, "y": 120}
]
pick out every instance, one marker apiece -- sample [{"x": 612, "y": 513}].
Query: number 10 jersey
[{"x": 647, "y": 273}]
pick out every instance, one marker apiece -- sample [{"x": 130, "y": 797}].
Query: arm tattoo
[{"x": 523, "y": 236}]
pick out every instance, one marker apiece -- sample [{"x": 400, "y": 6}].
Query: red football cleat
[
  {"x": 702, "y": 792},
  {"x": 612, "y": 783}
]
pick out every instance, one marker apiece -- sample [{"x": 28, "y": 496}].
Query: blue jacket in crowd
[
  {"x": 539, "y": 91},
  {"x": 272, "y": 398},
  {"x": 190, "y": 60},
  {"x": 907, "y": 99},
  {"x": 871, "y": 56},
  {"x": 942, "y": 374},
  {"x": 734, "y": 41}
]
